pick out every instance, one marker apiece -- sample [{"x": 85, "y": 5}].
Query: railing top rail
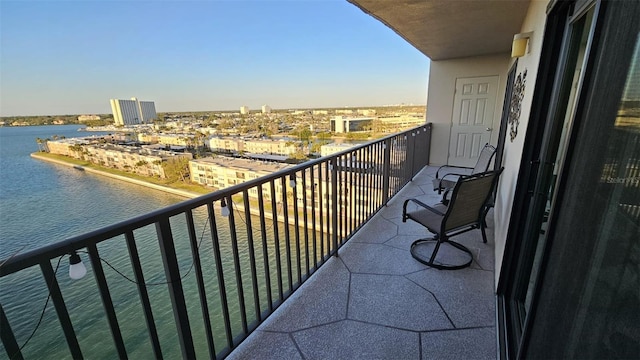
[{"x": 67, "y": 246}]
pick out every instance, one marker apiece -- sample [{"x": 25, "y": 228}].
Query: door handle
[{"x": 489, "y": 129}]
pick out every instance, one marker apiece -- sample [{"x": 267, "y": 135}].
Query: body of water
[{"x": 43, "y": 203}]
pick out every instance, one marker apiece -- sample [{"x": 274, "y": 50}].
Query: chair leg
[
  {"x": 483, "y": 224},
  {"x": 432, "y": 259},
  {"x": 484, "y": 233}
]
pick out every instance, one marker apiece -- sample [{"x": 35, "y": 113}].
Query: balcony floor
[{"x": 375, "y": 301}]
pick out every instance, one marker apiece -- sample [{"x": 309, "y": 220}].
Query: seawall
[{"x": 183, "y": 193}]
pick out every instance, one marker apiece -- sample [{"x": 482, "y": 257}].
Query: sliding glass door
[{"x": 573, "y": 253}]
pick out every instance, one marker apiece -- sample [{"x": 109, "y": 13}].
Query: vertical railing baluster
[
  {"x": 176, "y": 294},
  {"x": 352, "y": 195},
  {"x": 328, "y": 206},
  {"x": 144, "y": 295},
  {"x": 334, "y": 205},
  {"x": 287, "y": 235},
  {"x": 364, "y": 191},
  {"x": 252, "y": 255},
  {"x": 8, "y": 339},
  {"x": 321, "y": 184},
  {"x": 305, "y": 219},
  {"x": 369, "y": 184},
  {"x": 236, "y": 264},
  {"x": 339, "y": 171},
  {"x": 296, "y": 228},
  {"x": 61, "y": 309},
  {"x": 204, "y": 305},
  {"x": 276, "y": 235},
  {"x": 314, "y": 189},
  {"x": 386, "y": 173},
  {"x": 265, "y": 248},
  {"x": 378, "y": 171},
  {"x": 107, "y": 302},
  {"x": 220, "y": 275}
]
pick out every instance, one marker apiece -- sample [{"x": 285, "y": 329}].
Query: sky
[{"x": 70, "y": 57}]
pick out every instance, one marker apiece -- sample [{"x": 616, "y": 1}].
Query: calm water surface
[{"x": 43, "y": 203}]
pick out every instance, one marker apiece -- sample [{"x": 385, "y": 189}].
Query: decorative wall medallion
[{"x": 515, "y": 104}]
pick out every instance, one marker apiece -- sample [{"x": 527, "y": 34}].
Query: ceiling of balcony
[{"x": 448, "y": 29}]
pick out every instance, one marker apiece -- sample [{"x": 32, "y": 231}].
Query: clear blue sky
[{"x": 71, "y": 57}]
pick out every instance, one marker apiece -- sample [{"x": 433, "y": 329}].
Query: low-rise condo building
[{"x": 98, "y": 150}]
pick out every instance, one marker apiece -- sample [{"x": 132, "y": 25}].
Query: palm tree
[{"x": 39, "y": 141}]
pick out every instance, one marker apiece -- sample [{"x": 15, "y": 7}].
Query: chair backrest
[
  {"x": 468, "y": 199},
  {"x": 484, "y": 160}
]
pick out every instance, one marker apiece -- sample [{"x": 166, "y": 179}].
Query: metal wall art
[{"x": 515, "y": 104}]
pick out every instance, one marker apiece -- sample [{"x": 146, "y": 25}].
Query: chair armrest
[
  {"x": 452, "y": 166},
  {"x": 437, "y": 183},
  {"x": 420, "y": 203}
]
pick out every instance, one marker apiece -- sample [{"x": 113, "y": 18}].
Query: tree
[
  {"x": 176, "y": 169},
  {"x": 41, "y": 144},
  {"x": 78, "y": 149}
]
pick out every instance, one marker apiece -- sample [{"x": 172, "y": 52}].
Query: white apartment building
[
  {"x": 258, "y": 146},
  {"x": 341, "y": 124},
  {"x": 366, "y": 112},
  {"x": 83, "y": 118},
  {"x": 132, "y": 112},
  {"x": 143, "y": 161},
  {"x": 328, "y": 149},
  {"x": 244, "y": 110},
  {"x": 221, "y": 172},
  {"x": 266, "y": 109}
]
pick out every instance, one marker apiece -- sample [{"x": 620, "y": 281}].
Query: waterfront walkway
[{"x": 375, "y": 301}]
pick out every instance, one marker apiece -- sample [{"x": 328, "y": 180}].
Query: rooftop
[{"x": 375, "y": 301}]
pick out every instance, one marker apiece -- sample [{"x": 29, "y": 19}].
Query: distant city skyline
[{"x": 71, "y": 57}]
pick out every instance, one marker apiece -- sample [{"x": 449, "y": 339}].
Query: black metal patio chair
[
  {"x": 448, "y": 180},
  {"x": 465, "y": 211}
]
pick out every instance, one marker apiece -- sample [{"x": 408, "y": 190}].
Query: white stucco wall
[
  {"x": 442, "y": 84},
  {"x": 534, "y": 21}
]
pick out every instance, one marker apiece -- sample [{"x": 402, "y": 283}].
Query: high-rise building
[
  {"x": 266, "y": 109},
  {"x": 244, "y": 110},
  {"x": 132, "y": 112}
]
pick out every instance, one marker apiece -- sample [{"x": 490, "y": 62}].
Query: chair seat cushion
[{"x": 427, "y": 218}]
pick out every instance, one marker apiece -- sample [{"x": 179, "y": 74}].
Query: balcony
[
  {"x": 374, "y": 301},
  {"x": 310, "y": 261}
]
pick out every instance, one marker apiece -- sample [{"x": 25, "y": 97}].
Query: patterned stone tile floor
[{"x": 374, "y": 301}]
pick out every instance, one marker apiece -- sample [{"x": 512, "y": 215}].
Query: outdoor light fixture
[
  {"x": 77, "y": 270},
  {"x": 224, "y": 210},
  {"x": 292, "y": 180},
  {"x": 520, "y": 45}
]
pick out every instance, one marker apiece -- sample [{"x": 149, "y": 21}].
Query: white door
[{"x": 472, "y": 122}]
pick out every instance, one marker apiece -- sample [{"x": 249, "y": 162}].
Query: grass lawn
[{"x": 180, "y": 185}]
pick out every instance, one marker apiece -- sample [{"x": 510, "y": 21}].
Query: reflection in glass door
[{"x": 558, "y": 133}]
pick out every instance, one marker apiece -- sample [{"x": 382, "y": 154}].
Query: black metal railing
[{"x": 219, "y": 282}]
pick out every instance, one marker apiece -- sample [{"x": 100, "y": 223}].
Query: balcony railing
[{"x": 259, "y": 241}]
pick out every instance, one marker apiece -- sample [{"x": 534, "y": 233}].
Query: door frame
[{"x": 512, "y": 328}]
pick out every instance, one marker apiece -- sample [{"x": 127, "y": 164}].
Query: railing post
[
  {"x": 8, "y": 339},
  {"x": 61, "y": 309},
  {"x": 334, "y": 204},
  {"x": 172, "y": 273},
  {"x": 386, "y": 170},
  {"x": 412, "y": 154}
]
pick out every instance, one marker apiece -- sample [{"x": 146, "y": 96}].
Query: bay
[{"x": 42, "y": 203}]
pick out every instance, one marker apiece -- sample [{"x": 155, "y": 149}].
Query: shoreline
[{"x": 183, "y": 193}]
